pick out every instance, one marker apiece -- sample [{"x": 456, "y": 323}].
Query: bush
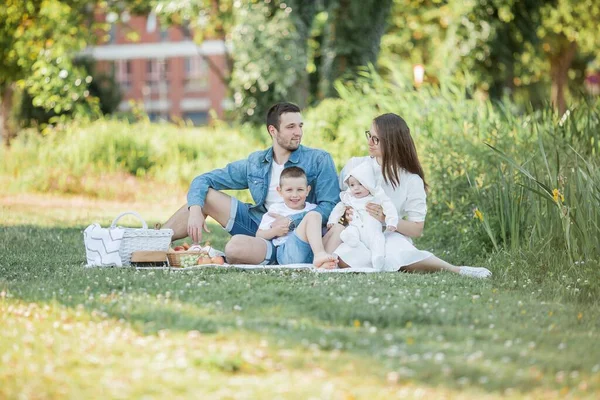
[
  {"x": 498, "y": 181},
  {"x": 509, "y": 192},
  {"x": 69, "y": 160}
]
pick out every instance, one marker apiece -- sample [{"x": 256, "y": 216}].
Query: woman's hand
[
  {"x": 348, "y": 214},
  {"x": 375, "y": 211},
  {"x": 390, "y": 228}
]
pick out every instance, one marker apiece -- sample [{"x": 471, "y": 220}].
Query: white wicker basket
[{"x": 136, "y": 239}]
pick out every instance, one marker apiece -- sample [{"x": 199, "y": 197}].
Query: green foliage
[
  {"x": 269, "y": 63},
  {"x": 39, "y": 41},
  {"x": 351, "y": 39},
  {"x": 65, "y": 160},
  {"x": 501, "y": 46},
  {"x": 473, "y": 191},
  {"x": 467, "y": 178},
  {"x": 102, "y": 86}
]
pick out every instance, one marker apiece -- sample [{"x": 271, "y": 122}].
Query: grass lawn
[{"x": 70, "y": 332}]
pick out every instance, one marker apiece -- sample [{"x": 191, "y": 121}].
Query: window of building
[
  {"x": 156, "y": 116},
  {"x": 196, "y": 117},
  {"x": 123, "y": 74},
  {"x": 196, "y": 74},
  {"x": 156, "y": 73},
  {"x": 113, "y": 34},
  {"x": 164, "y": 35}
]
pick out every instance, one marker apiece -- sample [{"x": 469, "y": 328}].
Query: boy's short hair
[
  {"x": 292, "y": 172},
  {"x": 274, "y": 113}
]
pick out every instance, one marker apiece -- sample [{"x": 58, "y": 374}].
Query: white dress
[{"x": 409, "y": 198}]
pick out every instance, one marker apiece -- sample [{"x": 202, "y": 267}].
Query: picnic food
[
  {"x": 186, "y": 256},
  {"x": 219, "y": 260}
]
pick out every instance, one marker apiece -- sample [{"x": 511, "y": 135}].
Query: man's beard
[{"x": 289, "y": 146}]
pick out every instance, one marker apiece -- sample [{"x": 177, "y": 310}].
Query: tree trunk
[
  {"x": 559, "y": 71},
  {"x": 7, "y": 131}
]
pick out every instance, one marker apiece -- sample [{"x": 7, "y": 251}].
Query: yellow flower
[
  {"x": 356, "y": 323},
  {"x": 579, "y": 316},
  {"x": 556, "y": 194},
  {"x": 478, "y": 214}
]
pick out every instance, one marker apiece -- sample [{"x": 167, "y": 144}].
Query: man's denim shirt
[{"x": 254, "y": 173}]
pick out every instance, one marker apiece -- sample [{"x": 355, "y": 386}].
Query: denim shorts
[
  {"x": 240, "y": 222},
  {"x": 293, "y": 251}
]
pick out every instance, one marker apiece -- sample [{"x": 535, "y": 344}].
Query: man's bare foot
[{"x": 324, "y": 260}]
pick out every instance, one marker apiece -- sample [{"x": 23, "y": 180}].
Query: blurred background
[
  {"x": 195, "y": 61},
  {"x": 502, "y": 97}
]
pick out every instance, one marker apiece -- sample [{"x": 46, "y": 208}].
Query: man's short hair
[
  {"x": 292, "y": 172},
  {"x": 274, "y": 113}
]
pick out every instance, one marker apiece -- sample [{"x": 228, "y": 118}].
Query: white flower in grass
[{"x": 63, "y": 74}]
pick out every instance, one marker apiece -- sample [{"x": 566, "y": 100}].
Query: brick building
[{"x": 165, "y": 70}]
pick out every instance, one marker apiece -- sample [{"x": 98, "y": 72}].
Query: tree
[
  {"x": 568, "y": 27},
  {"x": 502, "y": 44},
  {"x": 270, "y": 54},
  {"x": 39, "y": 44},
  {"x": 38, "y": 40},
  {"x": 274, "y": 48},
  {"x": 352, "y": 39}
]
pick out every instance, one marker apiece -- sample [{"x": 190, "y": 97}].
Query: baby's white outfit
[{"x": 364, "y": 228}]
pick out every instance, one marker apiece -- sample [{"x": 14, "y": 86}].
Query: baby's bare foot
[{"x": 325, "y": 260}]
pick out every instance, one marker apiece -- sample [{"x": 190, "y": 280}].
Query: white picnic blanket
[
  {"x": 215, "y": 252},
  {"x": 306, "y": 267}
]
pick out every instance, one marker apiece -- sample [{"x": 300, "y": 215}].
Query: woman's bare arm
[{"x": 410, "y": 228}]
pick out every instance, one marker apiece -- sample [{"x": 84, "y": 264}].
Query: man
[{"x": 260, "y": 173}]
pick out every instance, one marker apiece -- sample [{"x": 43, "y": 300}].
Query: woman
[{"x": 393, "y": 157}]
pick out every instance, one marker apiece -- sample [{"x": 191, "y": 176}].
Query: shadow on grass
[{"x": 437, "y": 329}]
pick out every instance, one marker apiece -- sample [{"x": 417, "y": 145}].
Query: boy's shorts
[{"x": 293, "y": 251}]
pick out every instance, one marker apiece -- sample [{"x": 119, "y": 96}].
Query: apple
[
  {"x": 186, "y": 245},
  {"x": 203, "y": 260},
  {"x": 179, "y": 248},
  {"x": 219, "y": 260}
]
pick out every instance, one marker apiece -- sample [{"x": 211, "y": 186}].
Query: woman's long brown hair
[{"x": 398, "y": 149}]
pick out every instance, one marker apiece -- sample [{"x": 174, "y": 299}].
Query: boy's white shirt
[{"x": 283, "y": 210}]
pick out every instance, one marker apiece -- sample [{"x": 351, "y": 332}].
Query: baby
[{"x": 363, "y": 189}]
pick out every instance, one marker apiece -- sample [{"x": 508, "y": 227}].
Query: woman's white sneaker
[{"x": 475, "y": 272}]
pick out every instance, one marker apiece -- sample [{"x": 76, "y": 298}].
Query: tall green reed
[{"x": 559, "y": 198}]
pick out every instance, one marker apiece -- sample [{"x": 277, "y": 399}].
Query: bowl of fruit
[{"x": 186, "y": 256}]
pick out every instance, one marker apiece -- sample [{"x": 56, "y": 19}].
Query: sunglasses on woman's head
[{"x": 372, "y": 138}]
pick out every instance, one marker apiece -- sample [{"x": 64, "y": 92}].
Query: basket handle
[{"x": 138, "y": 216}]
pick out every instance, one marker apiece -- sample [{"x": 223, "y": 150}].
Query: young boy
[{"x": 304, "y": 244}]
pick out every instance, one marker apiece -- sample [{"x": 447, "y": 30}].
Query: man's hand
[
  {"x": 281, "y": 225},
  {"x": 391, "y": 228},
  {"x": 196, "y": 223}
]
